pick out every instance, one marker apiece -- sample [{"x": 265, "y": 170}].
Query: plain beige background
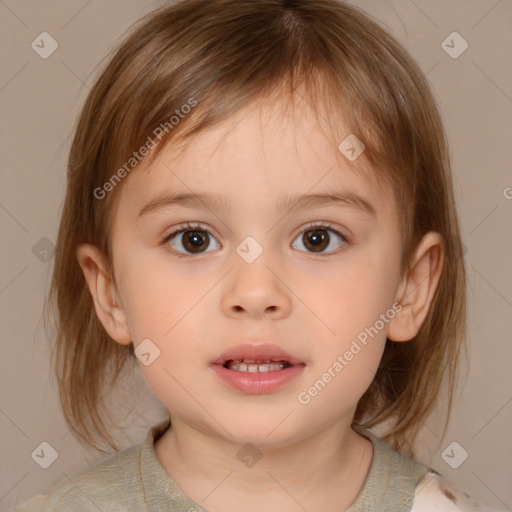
[{"x": 40, "y": 99}]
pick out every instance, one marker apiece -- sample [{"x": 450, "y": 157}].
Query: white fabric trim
[{"x": 434, "y": 494}]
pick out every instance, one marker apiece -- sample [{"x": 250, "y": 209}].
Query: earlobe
[
  {"x": 103, "y": 291},
  {"x": 417, "y": 289}
]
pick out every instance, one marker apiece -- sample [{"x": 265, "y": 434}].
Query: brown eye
[
  {"x": 195, "y": 241},
  {"x": 318, "y": 238},
  {"x": 190, "y": 241}
]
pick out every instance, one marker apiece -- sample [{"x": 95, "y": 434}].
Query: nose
[{"x": 257, "y": 289}]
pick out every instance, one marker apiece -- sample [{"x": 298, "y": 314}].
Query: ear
[
  {"x": 417, "y": 289},
  {"x": 103, "y": 291}
]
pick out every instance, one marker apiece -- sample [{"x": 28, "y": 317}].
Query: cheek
[
  {"x": 356, "y": 307},
  {"x": 164, "y": 302},
  {"x": 350, "y": 296},
  {"x": 164, "y": 305},
  {"x": 159, "y": 295},
  {"x": 175, "y": 387}
]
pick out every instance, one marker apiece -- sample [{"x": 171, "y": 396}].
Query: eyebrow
[{"x": 219, "y": 202}]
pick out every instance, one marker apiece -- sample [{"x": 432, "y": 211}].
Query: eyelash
[{"x": 198, "y": 227}]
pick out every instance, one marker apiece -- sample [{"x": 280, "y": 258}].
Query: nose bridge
[{"x": 255, "y": 285}]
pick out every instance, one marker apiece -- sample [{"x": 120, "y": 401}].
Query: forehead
[{"x": 264, "y": 152}]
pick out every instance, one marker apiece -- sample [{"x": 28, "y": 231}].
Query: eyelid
[
  {"x": 191, "y": 225},
  {"x": 182, "y": 228},
  {"x": 186, "y": 226},
  {"x": 319, "y": 224},
  {"x": 327, "y": 226},
  {"x": 324, "y": 226},
  {"x": 311, "y": 225}
]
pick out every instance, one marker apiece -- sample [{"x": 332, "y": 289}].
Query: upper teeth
[{"x": 253, "y": 366}]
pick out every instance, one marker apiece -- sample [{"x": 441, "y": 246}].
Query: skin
[{"x": 311, "y": 304}]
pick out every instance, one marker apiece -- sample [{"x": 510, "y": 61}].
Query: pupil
[
  {"x": 194, "y": 239},
  {"x": 316, "y": 239}
]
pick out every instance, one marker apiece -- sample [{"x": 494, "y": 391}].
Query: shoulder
[
  {"x": 107, "y": 485},
  {"x": 434, "y": 493},
  {"x": 391, "y": 480},
  {"x": 33, "y": 505},
  {"x": 397, "y": 482}
]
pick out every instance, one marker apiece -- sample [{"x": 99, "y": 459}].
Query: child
[{"x": 260, "y": 213}]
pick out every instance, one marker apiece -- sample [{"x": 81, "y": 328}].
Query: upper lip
[{"x": 262, "y": 352}]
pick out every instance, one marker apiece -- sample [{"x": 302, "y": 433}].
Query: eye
[
  {"x": 196, "y": 239},
  {"x": 193, "y": 240},
  {"x": 318, "y": 237}
]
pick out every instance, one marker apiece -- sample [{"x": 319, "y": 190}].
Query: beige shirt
[{"x": 134, "y": 480}]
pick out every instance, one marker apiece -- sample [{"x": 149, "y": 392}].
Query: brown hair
[{"x": 225, "y": 54}]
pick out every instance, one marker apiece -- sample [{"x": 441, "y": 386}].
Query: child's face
[{"x": 313, "y": 305}]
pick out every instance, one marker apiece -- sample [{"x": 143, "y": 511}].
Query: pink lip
[
  {"x": 258, "y": 382},
  {"x": 263, "y": 351}
]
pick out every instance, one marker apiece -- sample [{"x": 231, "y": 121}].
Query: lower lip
[{"x": 257, "y": 383}]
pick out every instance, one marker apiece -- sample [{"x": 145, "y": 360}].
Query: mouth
[
  {"x": 255, "y": 366},
  {"x": 257, "y": 369},
  {"x": 256, "y": 358}
]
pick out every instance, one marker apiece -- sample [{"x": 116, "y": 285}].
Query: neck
[{"x": 334, "y": 463}]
